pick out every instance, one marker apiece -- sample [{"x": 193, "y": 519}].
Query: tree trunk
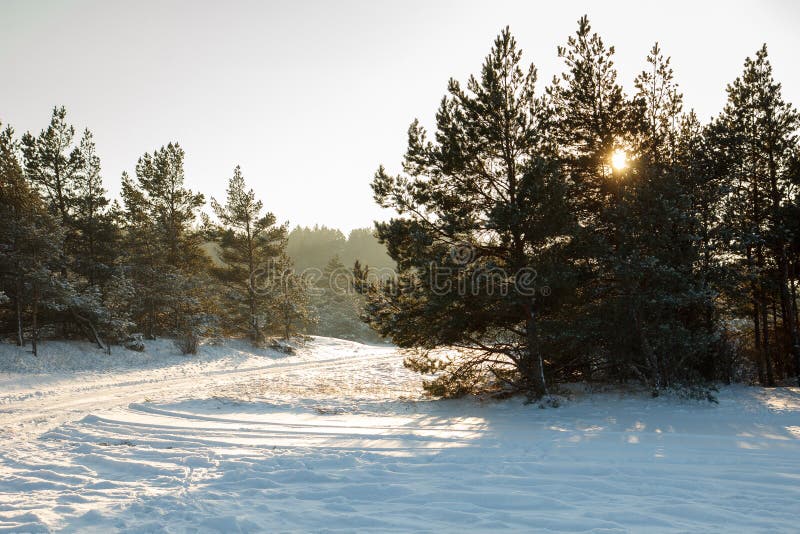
[
  {"x": 533, "y": 366},
  {"x": 794, "y": 315},
  {"x": 92, "y": 333},
  {"x": 35, "y": 320},
  {"x": 762, "y": 303},
  {"x": 20, "y": 330},
  {"x": 255, "y": 331},
  {"x": 765, "y": 340},
  {"x": 151, "y": 320},
  {"x": 783, "y": 264},
  {"x": 789, "y": 323},
  {"x": 762, "y": 374},
  {"x": 650, "y": 355},
  {"x": 253, "y": 319}
]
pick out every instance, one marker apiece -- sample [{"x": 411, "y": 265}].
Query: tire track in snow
[{"x": 59, "y": 406}]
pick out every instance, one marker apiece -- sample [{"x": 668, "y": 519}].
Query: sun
[{"x": 619, "y": 159}]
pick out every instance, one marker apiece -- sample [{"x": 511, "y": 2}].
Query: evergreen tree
[
  {"x": 118, "y": 298},
  {"x": 18, "y": 204},
  {"x": 655, "y": 263},
  {"x": 30, "y": 243},
  {"x": 288, "y": 296},
  {"x": 757, "y": 138},
  {"x": 163, "y": 245},
  {"x": 171, "y": 206},
  {"x": 71, "y": 184},
  {"x": 53, "y": 164},
  {"x": 657, "y": 108},
  {"x": 591, "y": 117},
  {"x": 702, "y": 179},
  {"x": 483, "y": 213},
  {"x": 591, "y": 122},
  {"x": 249, "y": 239},
  {"x": 95, "y": 224}
]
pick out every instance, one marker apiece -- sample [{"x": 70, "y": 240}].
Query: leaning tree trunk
[{"x": 89, "y": 330}]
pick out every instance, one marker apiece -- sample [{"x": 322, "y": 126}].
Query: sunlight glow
[{"x": 619, "y": 160}]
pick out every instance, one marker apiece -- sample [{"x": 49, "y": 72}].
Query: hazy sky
[{"x": 310, "y": 97}]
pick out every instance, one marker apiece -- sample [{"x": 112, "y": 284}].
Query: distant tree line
[
  {"x": 327, "y": 258},
  {"x": 74, "y": 263},
  {"x": 580, "y": 233},
  {"x": 313, "y": 247}
]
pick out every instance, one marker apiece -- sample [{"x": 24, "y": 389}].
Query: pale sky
[{"x": 309, "y": 97}]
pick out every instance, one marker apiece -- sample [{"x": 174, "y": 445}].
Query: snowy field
[{"x": 339, "y": 438}]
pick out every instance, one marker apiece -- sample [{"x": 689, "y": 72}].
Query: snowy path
[
  {"x": 37, "y": 408},
  {"x": 338, "y": 438}
]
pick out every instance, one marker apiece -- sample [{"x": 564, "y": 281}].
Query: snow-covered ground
[{"x": 339, "y": 438}]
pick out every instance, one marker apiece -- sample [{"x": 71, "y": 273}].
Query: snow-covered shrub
[
  {"x": 695, "y": 392},
  {"x": 189, "y": 342},
  {"x": 195, "y": 327},
  {"x": 282, "y": 346},
  {"x": 134, "y": 342}
]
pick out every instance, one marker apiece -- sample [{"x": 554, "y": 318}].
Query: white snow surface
[{"x": 340, "y": 438}]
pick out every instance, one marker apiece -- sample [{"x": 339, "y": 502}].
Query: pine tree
[
  {"x": 163, "y": 245},
  {"x": 702, "y": 179},
  {"x": 591, "y": 117},
  {"x": 171, "y": 207},
  {"x": 52, "y": 163},
  {"x": 591, "y": 121},
  {"x": 484, "y": 218},
  {"x": 70, "y": 181},
  {"x": 657, "y": 107},
  {"x": 17, "y": 203},
  {"x": 31, "y": 242},
  {"x": 756, "y": 139},
  {"x": 288, "y": 298},
  {"x": 659, "y": 289},
  {"x": 249, "y": 240},
  {"x": 95, "y": 224},
  {"x": 118, "y": 298}
]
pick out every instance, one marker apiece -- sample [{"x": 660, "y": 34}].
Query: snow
[{"x": 340, "y": 438}]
